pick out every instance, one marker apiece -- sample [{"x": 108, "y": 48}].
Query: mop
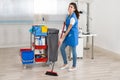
[{"x": 51, "y": 72}]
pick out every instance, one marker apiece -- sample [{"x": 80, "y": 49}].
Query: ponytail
[
  {"x": 77, "y": 14},
  {"x": 76, "y": 10}
]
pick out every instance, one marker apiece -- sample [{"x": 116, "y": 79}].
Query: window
[{"x": 45, "y": 6}]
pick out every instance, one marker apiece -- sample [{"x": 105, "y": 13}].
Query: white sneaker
[
  {"x": 72, "y": 69},
  {"x": 64, "y": 67}
]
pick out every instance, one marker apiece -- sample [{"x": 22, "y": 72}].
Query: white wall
[
  {"x": 106, "y": 23},
  {"x": 51, "y": 10},
  {"x": 12, "y": 35},
  {"x": 16, "y": 9},
  {"x": 45, "y": 7},
  {"x": 16, "y": 17}
]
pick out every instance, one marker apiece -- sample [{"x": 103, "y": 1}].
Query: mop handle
[{"x": 62, "y": 30}]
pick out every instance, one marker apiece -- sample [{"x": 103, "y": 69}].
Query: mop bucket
[{"x": 27, "y": 56}]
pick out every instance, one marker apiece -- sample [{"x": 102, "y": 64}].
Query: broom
[{"x": 51, "y": 72}]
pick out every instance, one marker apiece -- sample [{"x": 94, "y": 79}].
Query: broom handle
[
  {"x": 53, "y": 66},
  {"x": 61, "y": 33},
  {"x": 62, "y": 30}
]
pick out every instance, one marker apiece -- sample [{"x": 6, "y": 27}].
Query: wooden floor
[{"x": 105, "y": 66}]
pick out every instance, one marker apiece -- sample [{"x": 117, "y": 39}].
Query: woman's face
[{"x": 71, "y": 9}]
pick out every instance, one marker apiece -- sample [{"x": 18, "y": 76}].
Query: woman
[{"x": 70, "y": 37}]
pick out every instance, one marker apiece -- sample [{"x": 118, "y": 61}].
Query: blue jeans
[{"x": 63, "y": 52}]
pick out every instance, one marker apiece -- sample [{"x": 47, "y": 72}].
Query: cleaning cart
[
  {"x": 50, "y": 46},
  {"x": 37, "y": 52},
  {"x": 39, "y": 43},
  {"x": 44, "y": 46}
]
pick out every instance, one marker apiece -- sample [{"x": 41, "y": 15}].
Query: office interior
[{"x": 99, "y": 59}]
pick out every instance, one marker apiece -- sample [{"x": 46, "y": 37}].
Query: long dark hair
[{"x": 76, "y": 10}]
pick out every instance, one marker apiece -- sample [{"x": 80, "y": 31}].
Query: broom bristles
[{"x": 51, "y": 73}]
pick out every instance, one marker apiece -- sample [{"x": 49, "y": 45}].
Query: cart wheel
[
  {"x": 48, "y": 63},
  {"x": 79, "y": 57},
  {"x": 24, "y": 66}
]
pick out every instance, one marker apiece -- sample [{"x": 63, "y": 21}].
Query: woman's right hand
[{"x": 61, "y": 40}]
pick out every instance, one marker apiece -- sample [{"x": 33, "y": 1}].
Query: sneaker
[
  {"x": 72, "y": 69},
  {"x": 64, "y": 67}
]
